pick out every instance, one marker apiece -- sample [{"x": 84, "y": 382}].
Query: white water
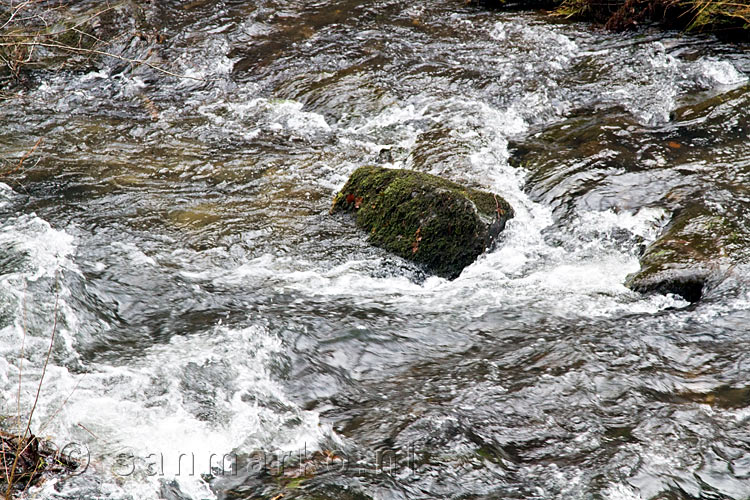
[{"x": 219, "y": 390}]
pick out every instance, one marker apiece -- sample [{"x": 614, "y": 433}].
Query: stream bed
[{"x": 174, "y": 234}]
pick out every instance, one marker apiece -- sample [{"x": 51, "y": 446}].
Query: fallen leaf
[
  {"x": 350, "y": 198},
  {"x": 357, "y": 201},
  {"x": 500, "y": 211},
  {"x": 674, "y": 145},
  {"x": 150, "y": 107}
]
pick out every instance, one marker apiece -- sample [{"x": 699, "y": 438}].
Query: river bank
[{"x": 726, "y": 19}]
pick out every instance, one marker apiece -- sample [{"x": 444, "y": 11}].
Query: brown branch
[
  {"x": 23, "y": 158},
  {"x": 15, "y": 11}
]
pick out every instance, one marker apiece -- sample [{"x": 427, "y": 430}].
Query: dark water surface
[{"x": 208, "y": 304}]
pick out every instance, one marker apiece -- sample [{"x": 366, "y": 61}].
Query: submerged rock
[
  {"x": 692, "y": 253},
  {"x": 432, "y": 221}
]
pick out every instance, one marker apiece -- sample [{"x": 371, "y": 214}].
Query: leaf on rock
[{"x": 417, "y": 239}]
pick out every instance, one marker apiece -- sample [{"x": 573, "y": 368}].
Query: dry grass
[
  {"x": 692, "y": 15},
  {"x": 731, "y": 17},
  {"x": 718, "y": 13}
]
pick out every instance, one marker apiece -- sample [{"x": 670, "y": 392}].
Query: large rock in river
[
  {"x": 694, "y": 251},
  {"x": 432, "y": 221}
]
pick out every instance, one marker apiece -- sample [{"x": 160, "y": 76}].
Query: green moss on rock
[
  {"x": 689, "y": 254},
  {"x": 432, "y": 221}
]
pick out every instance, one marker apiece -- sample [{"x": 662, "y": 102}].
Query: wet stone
[
  {"x": 691, "y": 255},
  {"x": 429, "y": 220}
]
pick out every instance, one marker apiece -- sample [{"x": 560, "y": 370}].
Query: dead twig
[
  {"x": 87, "y": 430},
  {"x": 23, "y": 444},
  {"x": 80, "y": 50},
  {"x": 23, "y": 158},
  {"x": 15, "y": 12},
  {"x": 62, "y": 405},
  {"x": 20, "y": 358},
  {"x": 21, "y": 37}
]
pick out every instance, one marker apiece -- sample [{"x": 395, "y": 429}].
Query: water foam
[{"x": 179, "y": 411}]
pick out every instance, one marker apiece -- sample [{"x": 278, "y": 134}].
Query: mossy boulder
[
  {"x": 691, "y": 254},
  {"x": 432, "y": 221}
]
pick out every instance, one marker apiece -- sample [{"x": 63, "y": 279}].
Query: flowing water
[{"x": 174, "y": 233}]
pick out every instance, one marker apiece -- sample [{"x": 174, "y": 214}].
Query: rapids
[{"x": 209, "y": 307}]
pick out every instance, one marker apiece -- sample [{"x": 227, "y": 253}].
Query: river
[{"x": 209, "y": 307}]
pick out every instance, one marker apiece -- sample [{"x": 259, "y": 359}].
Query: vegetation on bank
[
  {"x": 37, "y": 34},
  {"x": 723, "y": 17},
  {"x": 27, "y": 460},
  {"x": 65, "y": 34}
]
